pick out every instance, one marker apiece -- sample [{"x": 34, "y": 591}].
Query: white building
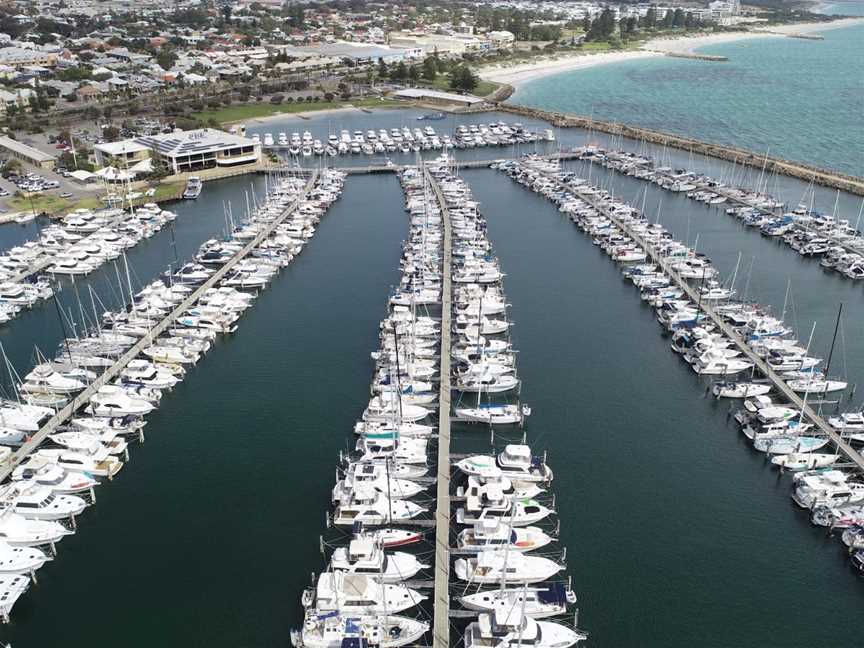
[{"x": 181, "y": 151}]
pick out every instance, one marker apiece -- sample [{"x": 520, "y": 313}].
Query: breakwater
[{"x": 808, "y": 173}]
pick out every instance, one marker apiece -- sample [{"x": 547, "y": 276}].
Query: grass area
[
  {"x": 39, "y": 203},
  {"x": 442, "y": 82},
  {"x": 48, "y": 204},
  {"x": 266, "y": 109},
  {"x": 163, "y": 192}
]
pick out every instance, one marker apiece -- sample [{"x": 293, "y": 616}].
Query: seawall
[{"x": 806, "y": 172}]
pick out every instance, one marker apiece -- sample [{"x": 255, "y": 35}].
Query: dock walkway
[
  {"x": 397, "y": 168},
  {"x": 441, "y": 615},
  {"x": 82, "y": 399},
  {"x": 732, "y": 197},
  {"x": 776, "y": 380}
]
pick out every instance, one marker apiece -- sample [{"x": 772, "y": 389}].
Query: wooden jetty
[
  {"x": 441, "y": 597},
  {"x": 82, "y": 399},
  {"x": 776, "y": 380}
]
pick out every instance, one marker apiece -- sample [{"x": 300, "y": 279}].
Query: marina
[
  {"x": 478, "y": 400},
  {"x": 661, "y": 267},
  {"x": 134, "y": 355},
  {"x": 446, "y": 270},
  {"x": 83, "y": 241},
  {"x": 835, "y": 240},
  {"x": 404, "y": 140}
]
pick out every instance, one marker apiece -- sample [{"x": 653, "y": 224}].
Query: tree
[
  {"x": 111, "y": 133},
  {"x": 651, "y": 17},
  {"x": 462, "y": 78},
  {"x": 400, "y": 72},
  {"x": 414, "y": 72},
  {"x": 166, "y": 58},
  {"x": 382, "y": 69},
  {"x": 430, "y": 69},
  {"x": 294, "y": 13},
  {"x": 678, "y": 18},
  {"x": 603, "y": 27},
  {"x": 668, "y": 19}
]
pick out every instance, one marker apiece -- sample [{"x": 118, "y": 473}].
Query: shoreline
[
  {"x": 308, "y": 114},
  {"x": 516, "y": 75},
  {"x": 519, "y": 74}
]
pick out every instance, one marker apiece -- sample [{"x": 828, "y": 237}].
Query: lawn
[
  {"x": 442, "y": 82},
  {"x": 265, "y": 109},
  {"x": 39, "y": 203},
  {"x": 45, "y": 203}
]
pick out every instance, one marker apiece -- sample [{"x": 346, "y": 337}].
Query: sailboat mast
[{"x": 833, "y": 341}]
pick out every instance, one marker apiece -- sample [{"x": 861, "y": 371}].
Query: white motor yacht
[
  {"x": 97, "y": 461},
  {"x": 118, "y": 405},
  {"x": 44, "y": 380},
  {"x": 826, "y": 488},
  {"x": 514, "y": 462},
  {"x": 511, "y": 629},
  {"x": 376, "y": 476},
  {"x": 364, "y": 556},
  {"x": 144, "y": 373},
  {"x": 39, "y": 502},
  {"x": 848, "y": 422},
  {"x": 538, "y": 601},
  {"x": 804, "y": 461},
  {"x": 46, "y": 472},
  {"x": 338, "y": 631},
  {"x": 86, "y": 443},
  {"x": 19, "y": 531},
  {"x": 359, "y": 594},
  {"x": 20, "y": 560},
  {"x": 496, "y": 566},
  {"x": 374, "y": 509},
  {"x": 28, "y": 418},
  {"x": 494, "y": 533}
]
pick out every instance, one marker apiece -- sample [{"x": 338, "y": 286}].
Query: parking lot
[{"x": 40, "y": 184}]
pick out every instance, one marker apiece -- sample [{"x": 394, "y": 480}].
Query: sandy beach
[
  {"x": 689, "y": 44},
  {"x": 521, "y": 73}
]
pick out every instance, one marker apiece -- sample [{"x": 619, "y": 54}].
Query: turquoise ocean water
[{"x": 793, "y": 98}]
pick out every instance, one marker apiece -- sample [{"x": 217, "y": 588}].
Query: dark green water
[{"x": 678, "y": 534}]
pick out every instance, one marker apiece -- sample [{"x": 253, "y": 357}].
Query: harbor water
[
  {"x": 678, "y": 534},
  {"x": 790, "y": 98}
]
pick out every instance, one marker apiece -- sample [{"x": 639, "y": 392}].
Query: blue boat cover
[{"x": 555, "y": 593}]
